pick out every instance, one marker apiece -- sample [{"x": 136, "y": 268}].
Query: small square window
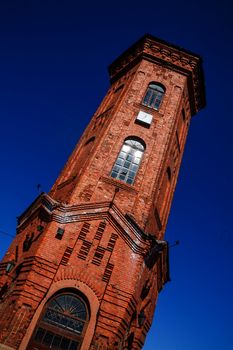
[{"x": 60, "y": 233}]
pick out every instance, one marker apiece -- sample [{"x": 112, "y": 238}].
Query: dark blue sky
[{"x": 53, "y": 74}]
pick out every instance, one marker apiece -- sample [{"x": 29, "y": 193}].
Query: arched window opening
[
  {"x": 62, "y": 324},
  {"x": 154, "y": 95},
  {"x": 128, "y": 160}
]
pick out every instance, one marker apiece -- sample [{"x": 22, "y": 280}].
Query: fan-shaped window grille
[
  {"x": 62, "y": 325},
  {"x": 154, "y": 95},
  {"x": 128, "y": 160}
]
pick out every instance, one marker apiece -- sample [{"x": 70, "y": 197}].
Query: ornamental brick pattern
[{"x": 98, "y": 237}]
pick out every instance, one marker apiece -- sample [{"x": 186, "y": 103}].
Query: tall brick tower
[{"x": 89, "y": 258}]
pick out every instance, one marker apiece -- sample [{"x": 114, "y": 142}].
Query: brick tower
[{"x": 89, "y": 258}]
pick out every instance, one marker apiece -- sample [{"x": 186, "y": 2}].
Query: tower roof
[{"x": 170, "y": 56}]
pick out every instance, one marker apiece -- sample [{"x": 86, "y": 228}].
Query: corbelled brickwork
[{"x": 97, "y": 238}]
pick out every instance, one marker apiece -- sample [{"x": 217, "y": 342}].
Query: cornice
[
  {"x": 170, "y": 56},
  {"x": 133, "y": 235},
  {"x": 140, "y": 242}
]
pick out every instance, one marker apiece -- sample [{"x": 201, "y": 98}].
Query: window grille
[
  {"x": 63, "y": 324},
  {"x": 128, "y": 161},
  {"x": 154, "y": 96}
]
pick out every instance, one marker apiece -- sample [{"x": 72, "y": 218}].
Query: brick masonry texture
[{"x": 99, "y": 237}]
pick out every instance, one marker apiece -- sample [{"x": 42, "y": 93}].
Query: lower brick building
[{"x": 89, "y": 258}]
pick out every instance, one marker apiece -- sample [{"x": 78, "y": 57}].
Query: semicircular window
[
  {"x": 68, "y": 312},
  {"x": 128, "y": 160},
  {"x": 63, "y": 323},
  {"x": 154, "y": 95}
]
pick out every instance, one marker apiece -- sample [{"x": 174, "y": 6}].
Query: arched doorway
[{"x": 62, "y": 324}]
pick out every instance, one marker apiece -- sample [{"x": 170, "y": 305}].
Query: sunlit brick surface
[{"x": 97, "y": 236}]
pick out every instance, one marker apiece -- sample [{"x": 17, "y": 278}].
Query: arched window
[
  {"x": 62, "y": 325},
  {"x": 154, "y": 95},
  {"x": 128, "y": 160}
]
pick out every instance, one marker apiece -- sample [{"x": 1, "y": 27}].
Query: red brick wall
[{"x": 108, "y": 249}]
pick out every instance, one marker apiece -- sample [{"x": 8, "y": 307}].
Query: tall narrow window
[
  {"x": 128, "y": 160},
  {"x": 154, "y": 95},
  {"x": 62, "y": 325}
]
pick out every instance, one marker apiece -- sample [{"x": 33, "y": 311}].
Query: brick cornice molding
[
  {"x": 135, "y": 237},
  {"x": 170, "y": 56}
]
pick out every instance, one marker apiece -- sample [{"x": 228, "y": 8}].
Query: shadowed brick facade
[{"x": 97, "y": 237}]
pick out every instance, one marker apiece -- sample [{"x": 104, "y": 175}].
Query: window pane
[
  {"x": 136, "y": 160},
  {"x": 146, "y": 99},
  {"x": 79, "y": 327},
  {"x": 126, "y": 148},
  {"x": 152, "y": 100},
  {"x": 56, "y": 341},
  {"x": 39, "y": 335},
  {"x": 122, "y": 155},
  {"x": 65, "y": 343},
  {"x": 138, "y": 154},
  {"x": 48, "y": 338},
  {"x": 127, "y": 164},
  {"x": 129, "y": 181},
  {"x": 156, "y": 87},
  {"x": 131, "y": 174},
  {"x": 129, "y": 157},
  {"x": 119, "y": 161},
  {"x": 114, "y": 174},
  {"x": 116, "y": 168},
  {"x": 134, "y": 168},
  {"x": 74, "y": 345},
  {"x": 64, "y": 321},
  {"x": 124, "y": 171}
]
